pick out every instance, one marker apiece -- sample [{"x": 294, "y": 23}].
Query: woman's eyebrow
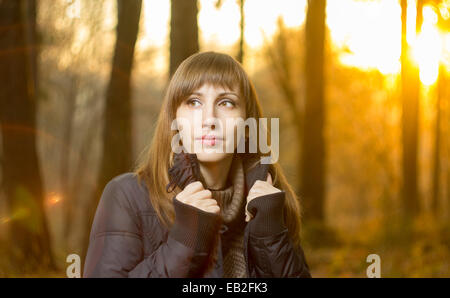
[
  {"x": 220, "y": 94},
  {"x": 228, "y": 93}
]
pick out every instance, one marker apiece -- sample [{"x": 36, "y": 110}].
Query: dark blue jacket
[{"x": 128, "y": 240}]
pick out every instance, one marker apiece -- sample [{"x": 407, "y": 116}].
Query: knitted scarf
[{"x": 232, "y": 203}]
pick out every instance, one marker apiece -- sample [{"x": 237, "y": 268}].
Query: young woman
[{"x": 199, "y": 212}]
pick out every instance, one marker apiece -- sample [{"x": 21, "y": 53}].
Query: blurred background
[{"x": 361, "y": 89}]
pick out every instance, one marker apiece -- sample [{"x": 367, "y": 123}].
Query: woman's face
[{"x": 207, "y": 122}]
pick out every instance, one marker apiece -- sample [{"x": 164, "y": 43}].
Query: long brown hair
[{"x": 216, "y": 69}]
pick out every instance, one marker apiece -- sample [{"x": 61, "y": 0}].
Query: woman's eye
[
  {"x": 228, "y": 103},
  {"x": 193, "y": 102}
]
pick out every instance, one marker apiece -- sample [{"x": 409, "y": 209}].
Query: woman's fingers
[
  {"x": 269, "y": 179},
  {"x": 195, "y": 195},
  {"x": 248, "y": 215},
  {"x": 199, "y": 195},
  {"x": 193, "y": 187},
  {"x": 213, "y": 209},
  {"x": 204, "y": 203},
  {"x": 259, "y": 188},
  {"x": 208, "y": 205}
]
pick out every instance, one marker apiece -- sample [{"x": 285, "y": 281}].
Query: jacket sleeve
[
  {"x": 116, "y": 244},
  {"x": 271, "y": 250}
]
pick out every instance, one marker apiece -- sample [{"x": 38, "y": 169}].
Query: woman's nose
[
  {"x": 210, "y": 122},
  {"x": 209, "y": 116}
]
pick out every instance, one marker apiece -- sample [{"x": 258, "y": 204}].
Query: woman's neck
[{"x": 213, "y": 172}]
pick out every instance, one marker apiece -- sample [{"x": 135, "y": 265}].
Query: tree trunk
[
  {"x": 313, "y": 153},
  {"x": 437, "y": 144},
  {"x": 65, "y": 159},
  {"x": 280, "y": 60},
  {"x": 22, "y": 183},
  {"x": 240, "y": 55},
  {"x": 410, "y": 99},
  {"x": 183, "y": 32},
  {"x": 116, "y": 157}
]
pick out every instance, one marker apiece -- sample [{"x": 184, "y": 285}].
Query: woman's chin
[{"x": 211, "y": 156}]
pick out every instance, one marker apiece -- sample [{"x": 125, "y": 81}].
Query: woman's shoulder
[
  {"x": 128, "y": 180},
  {"x": 129, "y": 189}
]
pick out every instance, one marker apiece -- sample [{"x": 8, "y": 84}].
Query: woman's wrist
[
  {"x": 194, "y": 227},
  {"x": 269, "y": 218}
]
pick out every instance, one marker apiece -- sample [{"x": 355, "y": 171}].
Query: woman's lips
[{"x": 209, "y": 140}]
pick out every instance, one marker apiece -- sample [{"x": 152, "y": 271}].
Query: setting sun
[
  {"x": 375, "y": 42},
  {"x": 427, "y": 48}
]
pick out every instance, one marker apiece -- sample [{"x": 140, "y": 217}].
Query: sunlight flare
[
  {"x": 53, "y": 198},
  {"x": 427, "y": 48}
]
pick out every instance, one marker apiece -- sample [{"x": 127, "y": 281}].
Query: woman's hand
[
  {"x": 259, "y": 188},
  {"x": 195, "y": 195}
]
